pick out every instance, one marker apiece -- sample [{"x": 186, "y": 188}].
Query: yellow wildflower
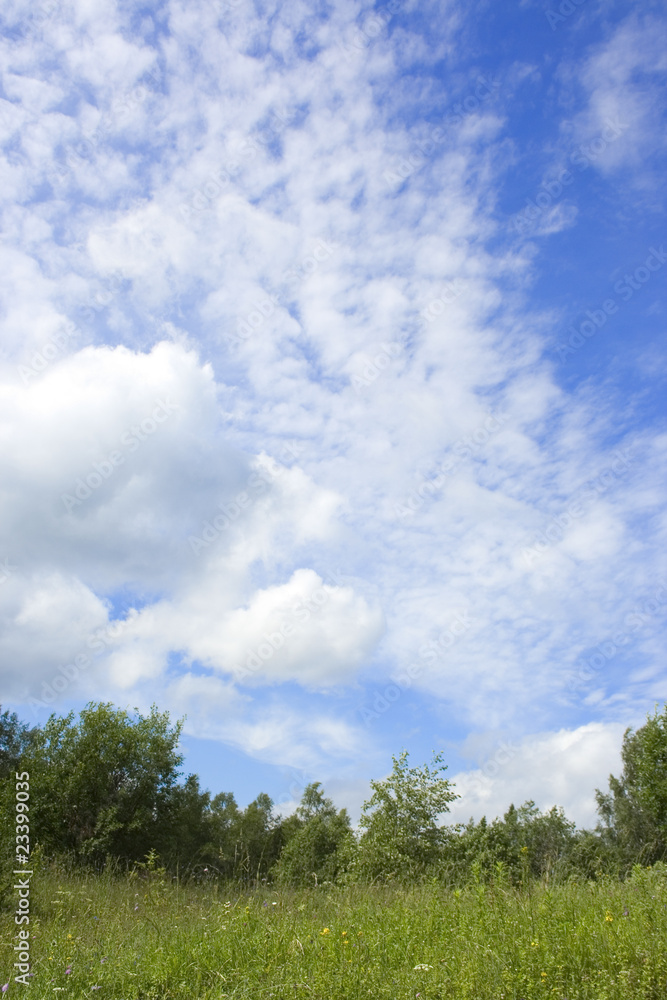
[
  {"x": 608, "y": 917},
  {"x": 325, "y": 931}
]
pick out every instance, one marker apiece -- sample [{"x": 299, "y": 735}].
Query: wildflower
[
  {"x": 608, "y": 917},
  {"x": 5, "y": 988},
  {"x": 325, "y": 931},
  {"x": 543, "y": 974},
  {"x": 422, "y": 967},
  {"x": 274, "y": 904}
]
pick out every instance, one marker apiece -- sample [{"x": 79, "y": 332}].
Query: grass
[{"x": 144, "y": 936}]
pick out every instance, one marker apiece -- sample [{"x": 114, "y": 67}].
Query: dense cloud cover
[{"x": 330, "y": 381}]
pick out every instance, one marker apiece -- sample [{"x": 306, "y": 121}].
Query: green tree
[
  {"x": 401, "y": 836},
  {"x": 105, "y": 784},
  {"x": 183, "y": 841},
  {"x": 15, "y": 738},
  {"x": 257, "y": 840},
  {"x": 321, "y": 846},
  {"x": 634, "y": 810},
  {"x": 524, "y": 842}
]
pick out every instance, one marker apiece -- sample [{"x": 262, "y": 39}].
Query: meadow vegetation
[
  {"x": 144, "y": 935},
  {"x": 144, "y": 886}
]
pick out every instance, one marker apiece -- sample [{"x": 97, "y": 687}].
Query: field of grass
[{"x": 147, "y": 937}]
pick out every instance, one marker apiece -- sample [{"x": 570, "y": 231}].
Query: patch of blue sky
[
  {"x": 122, "y": 601},
  {"x": 222, "y": 767}
]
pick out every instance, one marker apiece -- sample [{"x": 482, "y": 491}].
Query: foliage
[
  {"x": 401, "y": 836},
  {"x": 15, "y": 738},
  {"x": 150, "y": 936},
  {"x": 634, "y": 811},
  {"x": 105, "y": 784},
  {"x": 525, "y": 842},
  {"x": 106, "y": 788},
  {"x": 322, "y": 845}
]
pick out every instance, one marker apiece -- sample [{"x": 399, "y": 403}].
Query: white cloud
[
  {"x": 553, "y": 769},
  {"x": 201, "y": 205},
  {"x": 619, "y": 81}
]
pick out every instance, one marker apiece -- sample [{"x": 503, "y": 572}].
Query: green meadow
[{"x": 147, "y": 935}]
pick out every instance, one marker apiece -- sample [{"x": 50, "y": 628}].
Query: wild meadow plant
[{"x": 148, "y": 935}]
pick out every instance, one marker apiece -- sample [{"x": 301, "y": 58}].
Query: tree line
[{"x": 108, "y": 786}]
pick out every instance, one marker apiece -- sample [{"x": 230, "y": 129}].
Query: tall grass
[{"x": 146, "y": 936}]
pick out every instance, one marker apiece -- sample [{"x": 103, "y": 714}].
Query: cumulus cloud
[
  {"x": 553, "y": 769},
  {"x": 238, "y": 358},
  {"x": 121, "y": 476}
]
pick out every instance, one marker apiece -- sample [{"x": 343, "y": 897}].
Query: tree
[
  {"x": 258, "y": 840},
  {"x": 634, "y": 810},
  {"x": 401, "y": 836},
  {"x": 15, "y": 738},
  {"x": 524, "y": 842},
  {"x": 322, "y": 845},
  {"x": 105, "y": 784}
]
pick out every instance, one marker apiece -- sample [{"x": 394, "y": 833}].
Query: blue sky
[{"x": 332, "y": 384}]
